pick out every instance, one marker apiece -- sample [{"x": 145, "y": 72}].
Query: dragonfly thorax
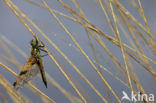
[{"x": 35, "y": 52}]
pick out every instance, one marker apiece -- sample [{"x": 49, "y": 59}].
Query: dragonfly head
[{"x": 34, "y": 43}]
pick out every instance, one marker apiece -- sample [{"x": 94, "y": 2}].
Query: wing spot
[{"x": 23, "y": 72}]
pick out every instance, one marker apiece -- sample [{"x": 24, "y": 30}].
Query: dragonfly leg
[
  {"x": 43, "y": 50},
  {"x": 43, "y": 55}
]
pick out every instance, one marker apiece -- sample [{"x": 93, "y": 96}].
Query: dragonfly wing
[
  {"x": 42, "y": 71},
  {"x": 25, "y": 76}
]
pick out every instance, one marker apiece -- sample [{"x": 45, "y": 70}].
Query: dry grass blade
[
  {"x": 147, "y": 27},
  {"x": 107, "y": 17},
  {"x": 121, "y": 45},
  {"x": 92, "y": 46},
  {"x": 96, "y": 60},
  {"x": 130, "y": 29},
  {"x": 129, "y": 15}
]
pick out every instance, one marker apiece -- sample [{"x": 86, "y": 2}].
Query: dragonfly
[{"x": 33, "y": 65}]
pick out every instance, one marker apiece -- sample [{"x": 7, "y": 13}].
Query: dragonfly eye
[{"x": 33, "y": 43}]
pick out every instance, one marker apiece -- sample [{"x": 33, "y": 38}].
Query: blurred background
[{"x": 107, "y": 57}]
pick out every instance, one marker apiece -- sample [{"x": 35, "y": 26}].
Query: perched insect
[{"x": 32, "y": 66}]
